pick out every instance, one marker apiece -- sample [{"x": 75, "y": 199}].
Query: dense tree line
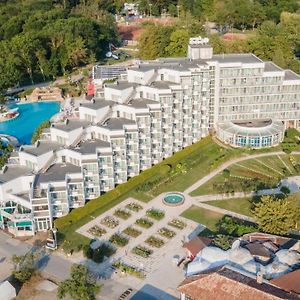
[
  {"x": 45, "y": 39},
  {"x": 271, "y": 42}
]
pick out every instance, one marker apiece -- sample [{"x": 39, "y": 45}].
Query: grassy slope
[{"x": 240, "y": 205}]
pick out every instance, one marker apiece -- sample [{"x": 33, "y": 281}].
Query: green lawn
[
  {"x": 240, "y": 205},
  {"x": 199, "y": 159},
  {"x": 268, "y": 170},
  {"x": 203, "y": 216}
]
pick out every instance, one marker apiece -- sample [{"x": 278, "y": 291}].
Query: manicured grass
[
  {"x": 258, "y": 169},
  {"x": 203, "y": 216},
  {"x": 241, "y": 206},
  {"x": 199, "y": 163},
  {"x": 200, "y": 159},
  {"x": 207, "y": 188}
]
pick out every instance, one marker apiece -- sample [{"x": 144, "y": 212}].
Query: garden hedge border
[{"x": 161, "y": 168}]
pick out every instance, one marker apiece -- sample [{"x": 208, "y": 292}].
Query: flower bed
[
  {"x": 165, "y": 232},
  {"x": 155, "y": 214},
  {"x": 129, "y": 269},
  {"x": 177, "y": 224},
  {"x": 110, "y": 222},
  {"x": 118, "y": 240},
  {"x": 132, "y": 232},
  {"x": 154, "y": 242},
  {"x": 123, "y": 214},
  {"x": 142, "y": 251},
  {"x": 143, "y": 222},
  {"x": 97, "y": 231},
  {"x": 134, "y": 207}
]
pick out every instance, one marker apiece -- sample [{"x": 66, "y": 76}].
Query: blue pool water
[{"x": 31, "y": 116}]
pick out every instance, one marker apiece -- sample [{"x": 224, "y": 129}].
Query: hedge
[{"x": 161, "y": 168}]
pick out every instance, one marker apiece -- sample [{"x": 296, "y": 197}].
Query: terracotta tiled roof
[
  {"x": 228, "y": 284},
  {"x": 289, "y": 282},
  {"x": 197, "y": 244},
  {"x": 258, "y": 236}
]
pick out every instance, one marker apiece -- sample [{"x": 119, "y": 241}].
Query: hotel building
[{"x": 158, "y": 108}]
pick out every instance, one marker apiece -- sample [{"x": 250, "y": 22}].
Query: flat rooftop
[
  {"x": 247, "y": 58},
  {"x": 70, "y": 125},
  {"x": 89, "y": 147},
  {"x": 41, "y": 147},
  {"x": 11, "y": 172},
  {"x": 122, "y": 85},
  {"x": 271, "y": 67},
  {"x": 98, "y": 104},
  {"x": 141, "y": 103},
  {"x": 57, "y": 172},
  {"x": 162, "y": 84},
  {"x": 290, "y": 75},
  {"x": 117, "y": 123}
]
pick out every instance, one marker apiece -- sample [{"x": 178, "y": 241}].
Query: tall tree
[
  {"x": 178, "y": 43},
  {"x": 277, "y": 216},
  {"x": 80, "y": 286}
]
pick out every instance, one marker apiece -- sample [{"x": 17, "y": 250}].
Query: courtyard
[{"x": 149, "y": 236}]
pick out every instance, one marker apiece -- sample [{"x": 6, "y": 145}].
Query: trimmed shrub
[
  {"x": 143, "y": 222},
  {"x": 118, "y": 240},
  {"x": 155, "y": 214},
  {"x": 132, "y": 232},
  {"x": 154, "y": 242}
]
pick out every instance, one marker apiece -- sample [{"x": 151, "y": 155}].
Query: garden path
[{"x": 226, "y": 165}]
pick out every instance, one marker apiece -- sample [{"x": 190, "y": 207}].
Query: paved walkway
[
  {"x": 125, "y": 253},
  {"x": 226, "y": 165},
  {"x": 212, "y": 197}
]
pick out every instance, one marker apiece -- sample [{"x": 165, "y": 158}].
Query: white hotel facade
[{"x": 161, "y": 107}]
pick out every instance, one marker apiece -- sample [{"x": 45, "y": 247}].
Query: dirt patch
[{"x": 29, "y": 290}]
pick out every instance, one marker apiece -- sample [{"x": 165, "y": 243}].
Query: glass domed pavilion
[{"x": 251, "y": 133}]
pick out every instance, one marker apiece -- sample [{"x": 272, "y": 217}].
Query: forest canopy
[{"x": 43, "y": 39}]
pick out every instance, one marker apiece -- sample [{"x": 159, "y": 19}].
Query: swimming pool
[{"x": 31, "y": 116}]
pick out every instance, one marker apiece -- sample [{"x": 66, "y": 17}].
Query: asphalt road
[{"x": 50, "y": 264}]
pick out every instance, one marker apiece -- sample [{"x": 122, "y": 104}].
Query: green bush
[
  {"x": 129, "y": 269},
  {"x": 132, "y": 232},
  {"x": 234, "y": 227},
  {"x": 97, "y": 255},
  {"x": 38, "y": 131},
  {"x": 143, "y": 222},
  {"x": 118, "y": 240},
  {"x": 155, "y": 214}
]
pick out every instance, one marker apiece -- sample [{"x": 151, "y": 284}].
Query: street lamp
[
  {"x": 54, "y": 230},
  {"x": 150, "y": 6}
]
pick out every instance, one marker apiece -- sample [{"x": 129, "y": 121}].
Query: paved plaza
[{"x": 159, "y": 267}]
